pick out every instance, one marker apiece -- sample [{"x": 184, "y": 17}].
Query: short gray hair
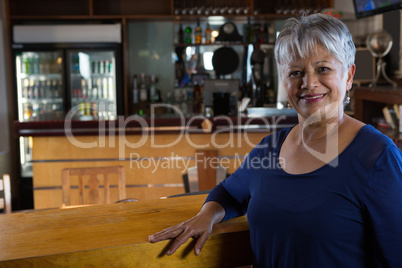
[{"x": 301, "y": 36}]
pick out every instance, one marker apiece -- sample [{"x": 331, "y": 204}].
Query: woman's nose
[{"x": 310, "y": 81}]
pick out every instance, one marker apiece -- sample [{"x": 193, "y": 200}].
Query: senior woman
[{"x": 334, "y": 199}]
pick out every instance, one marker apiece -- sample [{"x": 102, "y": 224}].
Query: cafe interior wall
[
  {"x": 8, "y": 159},
  {"x": 4, "y": 109}
]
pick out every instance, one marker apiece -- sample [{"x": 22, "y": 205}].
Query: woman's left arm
[{"x": 383, "y": 204}]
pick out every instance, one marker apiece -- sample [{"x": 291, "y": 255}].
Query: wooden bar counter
[
  {"x": 154, "y": 153},
  {"x": 116, "y": 235}
]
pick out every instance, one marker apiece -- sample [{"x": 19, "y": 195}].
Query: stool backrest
[{"x": 90, "y": 178}]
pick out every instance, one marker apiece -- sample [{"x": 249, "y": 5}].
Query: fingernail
[
  {"x": 169, "y": 252},
  {"x": 197, "y": 251}
]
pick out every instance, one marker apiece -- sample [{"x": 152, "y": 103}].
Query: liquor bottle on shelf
[
  {"x": 135, "y": 89},
  {"x": 265, "y": 35},
  {"x": 180, "y": 38},
  {"x": 198, "y": 34},
  {"x": 158, "y": 89},
  {"x": 153, "y": 96},
  {"x": 189, "y": 38},
  {"x": 257, "y": 33},
  {"x": 208, "y": 34},
  {"x": 196, "y": 97},
  {"x": 143, "y": 89}
]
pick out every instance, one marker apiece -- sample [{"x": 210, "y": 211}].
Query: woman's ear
[{"x": 351, "y": 73}]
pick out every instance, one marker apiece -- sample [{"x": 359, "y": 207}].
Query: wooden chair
[
  {"x": 5, "y": 194},
  {"x": 206, "y": 174},
  {"x": 93, "y": 175}
]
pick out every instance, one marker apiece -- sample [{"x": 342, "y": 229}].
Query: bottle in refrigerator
[
  {"x": 111, "y": 88},
  {"x": 25, "y": 88},
  {"x": 35, "y": 64},
  {"x": 83, "y": 89},
  {"x": 25, "y": 65},
  {"x": 105, "y": 87}
]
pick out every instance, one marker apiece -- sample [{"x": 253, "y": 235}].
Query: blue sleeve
[
  {"x": 232, "y": 207},
  {"x": 233, "y": 193},
  {"x": 382, "y": 201}
]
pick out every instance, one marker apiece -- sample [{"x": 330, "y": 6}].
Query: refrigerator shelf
[
  {"x": 93, "y": 75},
  {"x": 75, "y": 100},
  {"x": 42, "y": 76},
  {"x": 42, "y": 100}
]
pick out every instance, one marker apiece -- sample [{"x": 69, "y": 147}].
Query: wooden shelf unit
[
  {"x": 123, "y": 11},
  {"x": 369, "y": 102},
  {"x": 42, "y": 9}
]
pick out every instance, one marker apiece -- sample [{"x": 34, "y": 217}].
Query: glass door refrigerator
[
  {"x": 65, "y": 72},
  {"x": 66, "y": 83},
  {"x": 77, "y": 82},
  {"x": 39, "y": 80},
  {"x": 92, "y": 84}
]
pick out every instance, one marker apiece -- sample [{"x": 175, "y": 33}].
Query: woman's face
[{"x": 316, "y": 82}]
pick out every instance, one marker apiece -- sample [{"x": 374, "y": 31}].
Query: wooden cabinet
[
  {"x": 19, "y": 9},
  {"x": 130, "y": 7},
  {"x": 44, "y": 8}
]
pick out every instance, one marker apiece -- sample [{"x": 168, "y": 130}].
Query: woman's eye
[
  {"x": 295, "y": 74},
  {"x": 323, "y": 69}
]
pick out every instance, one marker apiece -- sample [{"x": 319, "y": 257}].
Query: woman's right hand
[{"x": 199, "y": 227}]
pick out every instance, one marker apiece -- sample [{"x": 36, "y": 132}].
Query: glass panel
[
  {"x": 92, "y": 85},
  {"x": 26, "y": 144},
  {"x": 39, "y": 86}
]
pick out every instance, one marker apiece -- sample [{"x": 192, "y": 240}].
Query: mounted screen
[{"x": 365, "y": 8}]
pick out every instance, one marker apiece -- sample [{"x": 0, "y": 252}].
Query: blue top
[{"x": 347, "y": 213}]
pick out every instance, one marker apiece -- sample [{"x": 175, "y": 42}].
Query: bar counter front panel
[{"x": 154, "y": 160}]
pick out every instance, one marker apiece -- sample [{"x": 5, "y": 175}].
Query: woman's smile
[{"x": 312, "y": 97}]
